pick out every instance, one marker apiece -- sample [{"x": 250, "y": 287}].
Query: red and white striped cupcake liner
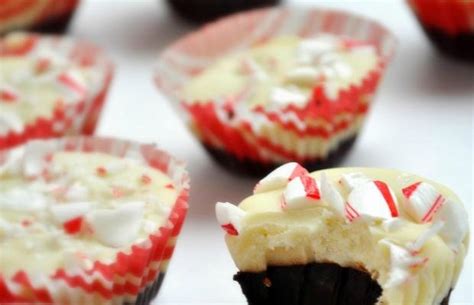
[
  {"x": 72, "y": 119},
  {"x": 133, "y": 270},
  {"x": 188, "y": 57},
  {"x": 14, "y": 12},
  {"x": 452, "y": 16}
]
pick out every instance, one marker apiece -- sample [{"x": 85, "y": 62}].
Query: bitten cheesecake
[
  {"x": 357, "y": 236},
  {"x": 285, "y": 99},
  {"x": 82, "y": 225}
]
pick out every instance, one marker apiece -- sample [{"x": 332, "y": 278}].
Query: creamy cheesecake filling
[
  {"x": 338, "y": 220},
  {"x": 283, "y": 71},
  {"x": 43, "y": 81},
  {"x": 70, "y": 209}
]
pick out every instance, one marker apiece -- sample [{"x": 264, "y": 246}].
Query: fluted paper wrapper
[
  {"x": 188, "y": 57},
  {"x": 135, "y": 275},
  {"x": 78, "y": 118}
]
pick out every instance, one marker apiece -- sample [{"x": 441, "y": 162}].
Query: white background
[{"x": 422, "y": 122}]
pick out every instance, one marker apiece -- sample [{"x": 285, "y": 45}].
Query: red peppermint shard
[
  {"x": 230, "y": 229},
  {"x": 73, "y": 226}
]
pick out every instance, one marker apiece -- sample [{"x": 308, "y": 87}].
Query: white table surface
[{"x": 422, "y": 122}]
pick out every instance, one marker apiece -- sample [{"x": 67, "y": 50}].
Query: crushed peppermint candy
[
  {"x": 229, "y": 217},
  {"x": 301, "y": 192},
  {"x": 280, "y": 177}
]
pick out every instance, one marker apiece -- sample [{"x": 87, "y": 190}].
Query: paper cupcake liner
[
  {"x": 218, "y": 128},
  {"x": 134, "y": 270},
  {"x": 71, "y": 119},
  {"x": 453, "y": 16},
  {"x": 319, "y": 283},
  {"x": 38, "y": 16},
  {"x": 449, "y": 25}
]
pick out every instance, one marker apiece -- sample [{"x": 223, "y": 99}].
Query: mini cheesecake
[
  {"x": 82, "y": 224},
  {"x": 285, "y": 99},
  {"x": 358, "y": 236},
  {"x": 49, "y": 86}
]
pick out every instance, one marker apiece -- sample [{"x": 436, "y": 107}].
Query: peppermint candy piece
[
  {"x": 402, "y": 261},
  {"x": 76, "y": 192},
  {"x": 280, "y": 177},
  {"x": 422, "y": 202},
  {"x": 331, "y": 195},
  {"x": 10, "y": 121},
  {"x": 23, "y": 199},
  {"x": 36, "y": 153},
  {"x": 351, "y": 180},
  {"x": 282, "y": 97},
  {"x": 8, "y": 94},
  {"x": 300, "y": 193},
  {"x": 63, "y": 213},
  {"x": 119, "y": 227},
  {"x": 456, "y": 226},
  {"x": 13, "y": 162},
  {"x": 416, "y": 246},
  {"x": 374, "y": 199},
  {"x": 229, "y": 217}
]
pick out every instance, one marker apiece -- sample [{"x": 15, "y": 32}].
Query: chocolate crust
[
  {"x": 55, "y": 25},
  {"x": 252, "y": 168},
  {"x": 199, "y": 11},
  {"x": 146, "y": 296},
  {"x": 317, "y": 283},
  {"x": 52, "y": 25},
  {"x": 458, "y": 46}
]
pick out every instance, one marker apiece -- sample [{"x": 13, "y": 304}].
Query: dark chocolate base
[
  {"x": 459, "y": 46},
  {"x": 150, "y": 292},
  {"x": 206, "y": 10},
  {"x": 56, "y": 25},
  {"x": 312, "y": 284},
  {"x": 252, "y": 168}
]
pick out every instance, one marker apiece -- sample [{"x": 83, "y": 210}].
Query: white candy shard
[
  {"x": 402, "y": 260},
  {"x": 304, "y": 75},
  {"x": 331, "y": 195},
  {"x": 36, "y": 153},
  {"x": 422, "y": 201},
  {"x": 77, "y": 192},
  {"x": 229, "y": 217},
  {"x": 310, "y": 49},
  {"x": 301, "y": 192},
  {"x": 351, "y": 180},
  {"x": 23, "y": 200},
  {"x": 424, "y": 204},
  {"x": 456, "y": 227},
  {"x": 374, "y": 199},
  {"x": 12, "y": 164},
  {"x": 281, "y": 97},
  {"x": 416, "y": 246},
  {"x": 118, "y": 227},
  {"x": 280, "y": 177},
  {"x": 64, "y": 212},
  {"x": 10, "y": 121}
]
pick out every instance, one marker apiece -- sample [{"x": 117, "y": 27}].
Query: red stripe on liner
[{"x": 383, "y": 188}]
